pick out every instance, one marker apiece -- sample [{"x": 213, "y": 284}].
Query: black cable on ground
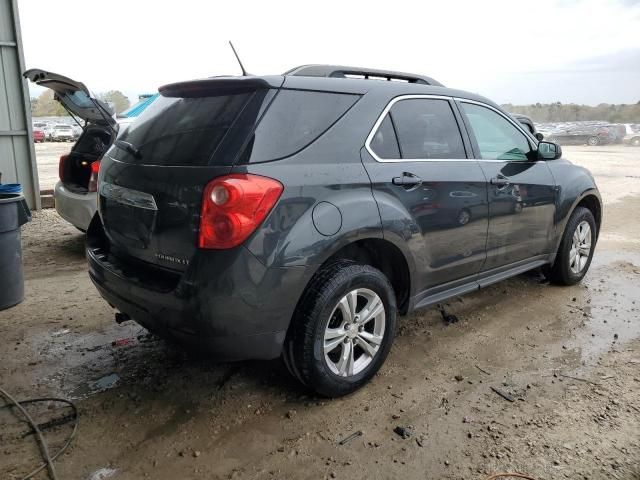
[{"x": 48, "y": 459}]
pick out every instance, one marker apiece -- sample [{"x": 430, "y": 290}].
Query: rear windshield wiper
[{"x": 127, "y": 147}]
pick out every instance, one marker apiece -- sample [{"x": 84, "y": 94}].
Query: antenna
[{"x": 244, "y": 72}]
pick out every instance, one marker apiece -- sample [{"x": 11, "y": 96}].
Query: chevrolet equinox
[{"x": 299, "y": 214}]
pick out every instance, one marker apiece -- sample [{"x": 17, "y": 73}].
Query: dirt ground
[{"x": 569, "y": 358}]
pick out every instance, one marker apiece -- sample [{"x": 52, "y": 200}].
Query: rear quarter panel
[{"x": 329, "y": 170}]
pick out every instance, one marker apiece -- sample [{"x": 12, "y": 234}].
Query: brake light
[
  {"x": 93, "y": 179},
  {"x": 61, "y": 166},
  {"x": 232, "y": 208}
]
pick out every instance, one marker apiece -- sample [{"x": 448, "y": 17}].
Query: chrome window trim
[
  {"x": 515, "y": 123},
  {"x": 376, "y": 125},
  {"x": 367, "y": 143}
]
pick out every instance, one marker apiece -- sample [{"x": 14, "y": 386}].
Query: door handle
[
  {"x": 500, "y": 181},
  {"x": 407, "y": 180}
]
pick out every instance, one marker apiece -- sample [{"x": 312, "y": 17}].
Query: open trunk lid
[
  {"x": 74, "y": 96},
  {"x": 153, "y": 177}
]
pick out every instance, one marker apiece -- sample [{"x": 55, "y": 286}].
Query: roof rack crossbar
[{"x": 340, "y": 71}]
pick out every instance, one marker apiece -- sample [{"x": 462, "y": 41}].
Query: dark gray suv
[{"x": 299, "y": 214}]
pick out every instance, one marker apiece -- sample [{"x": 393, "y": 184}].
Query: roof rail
[{"x": 340, "y": 71}]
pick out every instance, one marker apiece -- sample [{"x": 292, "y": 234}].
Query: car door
[
  {"x": 431, "y": 194},
  {"x": 521, "y": 189}
]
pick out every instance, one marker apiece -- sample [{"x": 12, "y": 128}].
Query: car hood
[{"x": 74, "y": 96}]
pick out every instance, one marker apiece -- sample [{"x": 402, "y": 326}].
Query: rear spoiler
[{"x": 215, "y": 86}]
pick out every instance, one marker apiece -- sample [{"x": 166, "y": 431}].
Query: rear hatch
[
  {"x": 99, "y": 129},
  {"x": 152, "y": 178},
  {"x": 74, "y": 96}
]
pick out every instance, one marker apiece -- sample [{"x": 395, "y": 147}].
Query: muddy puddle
[{"x": 611, "y": 307}]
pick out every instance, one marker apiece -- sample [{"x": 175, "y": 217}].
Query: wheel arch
[
  {"x": 382, "y": 254},
  {"x": 589, "y": 199}
]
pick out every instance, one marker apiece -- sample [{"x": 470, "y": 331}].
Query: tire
[
  {"x": 635, "y": 141},
  {"x": 320, "y": 313},
  {"x": 565, "y": 270},
  {"x": 464, "y": 217},
  {"x": 593, "y": 141}
]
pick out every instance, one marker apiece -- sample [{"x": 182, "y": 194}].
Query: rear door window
[
  {"x": 294, "y": 120},
  {"x": 427, "y": 129}
]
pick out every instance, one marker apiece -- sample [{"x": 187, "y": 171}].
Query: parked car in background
[
  {"x": 632, "y": 135},
  {"x": 75, "y": 192},
  {"x": 617, "y": 131},
  {"x": 592, "y": 135},
  {"x": 45, "y": 127},
  {"x": 258, "y": 216},
  {"x": 38, "y": 136},
  {"x": 62, "y": 133}
]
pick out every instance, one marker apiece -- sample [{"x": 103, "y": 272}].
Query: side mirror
[
  {"x": 539, "y": 136},
  {"x": 549, "y": 151}
]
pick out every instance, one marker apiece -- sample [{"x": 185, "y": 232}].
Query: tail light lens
[
  {"x": 62, "y": 167},
  {"x": 93, "y": 179},
  {"x": 232, "y": 208}
]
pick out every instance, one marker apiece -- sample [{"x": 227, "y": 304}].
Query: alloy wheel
[
  {"x": 354, "y": 333},
  {"x": 580, "y": 247}
]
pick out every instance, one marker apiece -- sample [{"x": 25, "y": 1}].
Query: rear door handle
[
  {"x": 407, "y": 180},
  {"x": 500, "y": 181}
]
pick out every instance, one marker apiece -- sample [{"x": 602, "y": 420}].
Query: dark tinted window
[
  {"x": 384, "y": 143},
  {"x": 181, "y": 131},
  {"x": 294, "y": 120},
  {"x": 427, "y": 129},
  {"x": 497, "y": 138}
]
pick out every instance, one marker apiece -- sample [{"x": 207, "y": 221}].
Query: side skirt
[{"x": 484, "y": 279}]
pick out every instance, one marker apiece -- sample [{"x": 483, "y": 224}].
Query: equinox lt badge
[{"x": 169, "y": 258}]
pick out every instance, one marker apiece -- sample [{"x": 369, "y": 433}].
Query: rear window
[
  {"x": 295, "y": 119},
  {"x": 260, "y": 126},
  {"x": 181, "y": 131}
]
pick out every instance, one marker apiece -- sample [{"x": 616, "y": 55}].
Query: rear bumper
[
  {"x": 76, "y": 208},
  {"x": 226, "y": 304}
]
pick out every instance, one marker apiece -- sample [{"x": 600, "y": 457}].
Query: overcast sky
[{"x": 583, "y": 51}]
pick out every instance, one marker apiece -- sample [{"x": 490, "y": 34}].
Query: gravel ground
[{"x": 568, "y": 357}]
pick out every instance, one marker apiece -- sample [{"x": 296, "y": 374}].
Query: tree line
[
  {"x": 559, "y": 112},
  {"x": 45, "y": 105}
]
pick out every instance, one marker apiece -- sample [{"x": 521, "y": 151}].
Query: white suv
[
  {"x": 62, "y": 133},
  {"x": 75, "y": 193}
]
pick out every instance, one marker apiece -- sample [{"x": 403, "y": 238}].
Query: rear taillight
[
  {"x": 61, "y": 166},
  {"x": 232, "y": 208},
  {"x": 93, "y": 179}
]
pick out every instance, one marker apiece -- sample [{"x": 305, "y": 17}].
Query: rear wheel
[
  {"x": 342, "y": 330},
  {"x": 593, "y": 141},
  {"x": 635, "y": 141},
  {"x": 576, "y": 248},
  {"x": 464, "y": 216}
]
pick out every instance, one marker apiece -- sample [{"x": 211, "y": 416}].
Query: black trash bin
[{"x": 14, "y": 213}]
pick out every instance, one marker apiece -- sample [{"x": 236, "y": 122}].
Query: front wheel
[
  {"x": 593, "y": 141},
  {"x": 342, "y": 329},
  {"x": 576, "y": 248}
]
